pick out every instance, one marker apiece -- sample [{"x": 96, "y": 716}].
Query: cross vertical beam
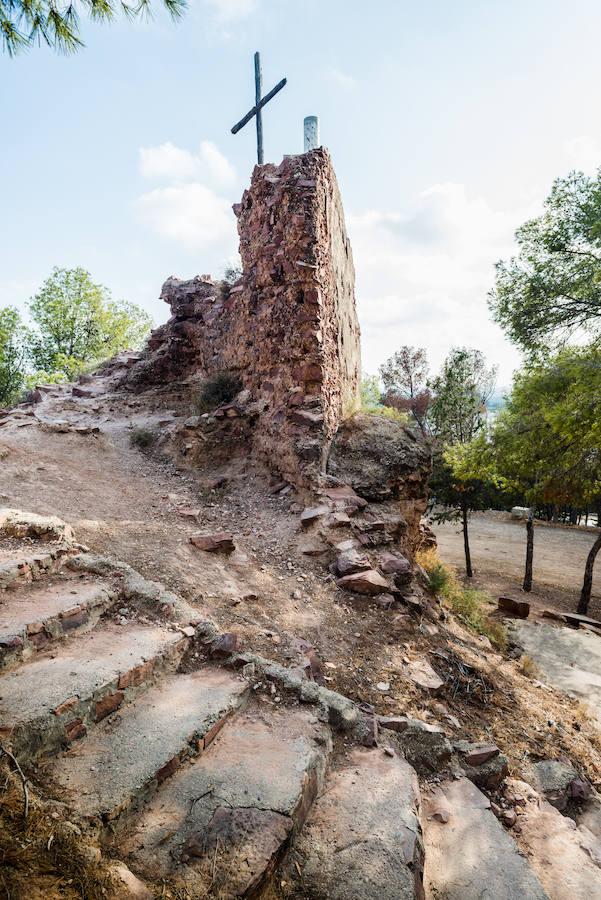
[
  {"x": 260, "y": 102},
  {"x": 259, "y": 115}
]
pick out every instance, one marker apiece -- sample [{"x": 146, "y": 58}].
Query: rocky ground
[{"x": 422, "y": 690}]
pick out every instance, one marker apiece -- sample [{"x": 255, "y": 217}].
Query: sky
[{"x": 447, "y": 124}]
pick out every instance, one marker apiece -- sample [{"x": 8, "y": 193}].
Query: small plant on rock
[{"x": 218, "y": 389}]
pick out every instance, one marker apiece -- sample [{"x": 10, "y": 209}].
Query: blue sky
[{"x": 447, "y": 123}]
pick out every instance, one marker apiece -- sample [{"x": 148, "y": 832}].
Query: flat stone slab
[
  {"x": 52, "y": 693},
  {"x": 469, "y": 855},
  {"x": 362, "y": 838},
  {"x": 569, "y": 660},
  {"x": 566, "y": 858},
  {"x": 124, "y": 760},
  {"x": 247, "y": 792}
]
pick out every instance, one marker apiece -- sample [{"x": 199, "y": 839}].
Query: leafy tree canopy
[
  {"x": 405, "y": 379},
  {"x": 552, "y": 289},
  {"x": 547, "y": 440},
  {"x": 24, "y": 23},
  {"x": 458, "y": 411},
  {"x": 77, "y": 323},
  {"x": 12, "y": 355}
]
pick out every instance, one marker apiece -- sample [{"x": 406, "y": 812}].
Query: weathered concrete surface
[
  {"x": 566, "y": 858},
  {"x": 122, "y": 762},
  {"x": 36, "y": 615},
  {"x": 46, "y": 702},
  {"x": 246, "y": 794},
  {"x": 470, "y": 856},
  {"x": 569, "y": 659},
  {"x": 362, "y": 839}
]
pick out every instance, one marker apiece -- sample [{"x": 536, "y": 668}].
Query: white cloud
[
  {"x": 190, "y": 208},
  {"x": 174, "y": 164},
  {"x": 229, "y": 11},
  {"x": 423, "y": 275},
  {"x": 584, "y": 153},
  {"x": 191, "y": 214},
  {"x": 168, "y": 161},
  {"x": 341, "y": 78},
  {"x": 218, "y": 166}
]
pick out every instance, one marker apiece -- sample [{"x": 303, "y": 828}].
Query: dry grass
[
  {"x": 528, "y": 667},
  {"x": 468, "y": 604},
  {"x": 43, "y": 858}
]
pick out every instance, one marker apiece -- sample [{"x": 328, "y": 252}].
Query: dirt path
[{"x": 498, "y": 550}]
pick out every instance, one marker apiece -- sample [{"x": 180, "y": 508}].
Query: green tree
[
  {"x": 12, "y": 355},
  {"x": 551, "y": 290},
  {"x": 24, "y": 23},
  {"x": 405, "y": 379},
  {"x": 78, "y": 324},
  {"x": 464, "y": 479},
  {"x": 458, "y": 408},
  {"x": 548, "y": 438},
  {"x": 457, "y": 418}
]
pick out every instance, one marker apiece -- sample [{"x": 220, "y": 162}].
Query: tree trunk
[
  {"x": 529, "y": 552},
  {"x": 587, "y": 585},
  {"x": 466, "y": 544}
]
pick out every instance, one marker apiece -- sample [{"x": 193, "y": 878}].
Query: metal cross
[{"x": 260, "y": 102}]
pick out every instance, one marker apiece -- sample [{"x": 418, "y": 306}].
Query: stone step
[
  {"x": 20, "y": 565},
  {"x": 362, "y": 838},
  {"x": 220, "y": 825},
  {"x": 120, "y": 764},
  {"x": 469, "y": 854},
  {"x": 50, "y": 701},
  {"x": 33, "y": 616}
]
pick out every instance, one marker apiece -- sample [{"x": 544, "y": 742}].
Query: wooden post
[
  {"x": 466, "y": 542},
  {"x": 258, "y": 92},
  {"x": 527, "y": 585}
]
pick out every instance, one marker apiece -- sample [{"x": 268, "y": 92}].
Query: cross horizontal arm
[{"x": 259, "y": 106}]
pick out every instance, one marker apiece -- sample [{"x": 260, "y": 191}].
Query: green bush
[
  {"x": 371, "y": 401},
  {"x": 217, "y": 390},
  {"x": 142, "y": 438}
]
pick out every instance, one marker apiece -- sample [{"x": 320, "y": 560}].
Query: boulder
[
  {"x": 312, "y": 514},
  {"x": 220, "y": 542},
  {"x": 368, "y": 582},
  {"x": 425, "y": 746},
  {"x": 362, "y": 839},
  {"x": 380, "y": 458},
  {"x": 351, "y": 562},
  {"x": 553, "y": 779},
  {"x": 478, "y": 754},
  {"x": 423, "y": 675},
  {"x": 394, "y": 564},
  {"x": 519, "y": 608}
]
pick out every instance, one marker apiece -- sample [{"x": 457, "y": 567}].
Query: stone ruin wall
[
  {"x": 299, "y": 292},
  {"x": 288, "y": 327}
]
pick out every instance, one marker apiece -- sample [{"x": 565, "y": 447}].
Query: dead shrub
[
  {"x": 142, "y": 438},
  {"x": 216, "y": 390}
]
